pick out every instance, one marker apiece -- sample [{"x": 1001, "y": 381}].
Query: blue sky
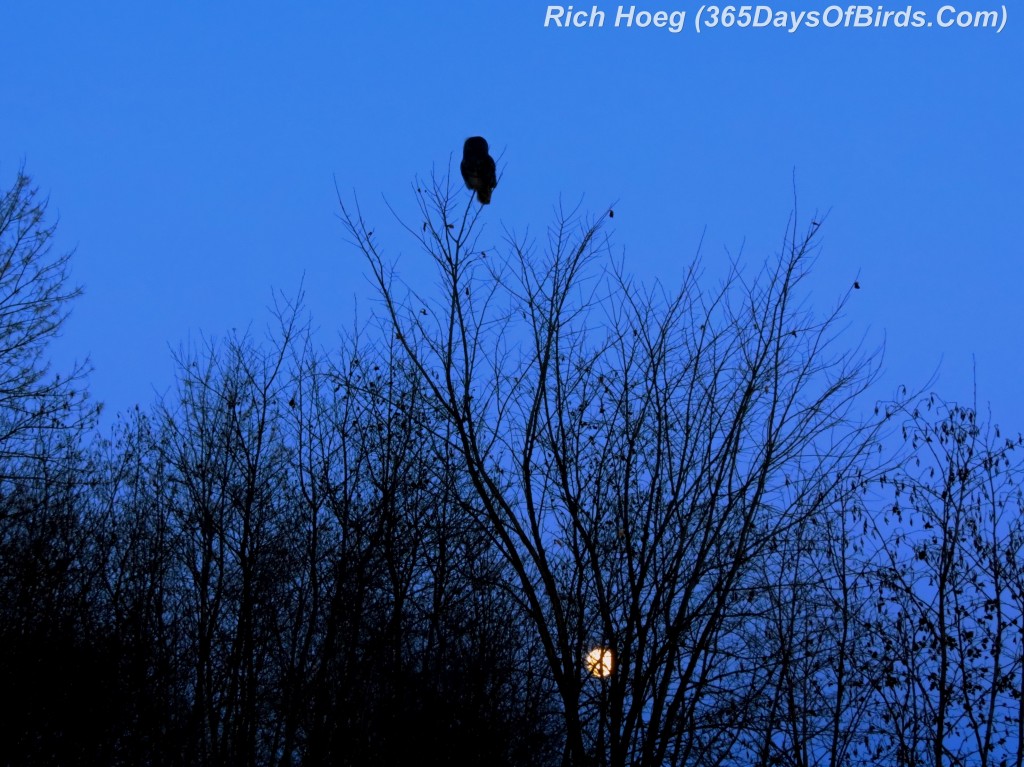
[{"x": 191, "y": 150}]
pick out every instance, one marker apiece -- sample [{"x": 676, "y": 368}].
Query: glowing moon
[{"x": 599, "y": 662}]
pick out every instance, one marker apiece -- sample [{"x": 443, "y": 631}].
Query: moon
[{"x": 599, "y": 662}]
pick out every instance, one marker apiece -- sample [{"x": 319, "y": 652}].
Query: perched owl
[{"x": 478, "y": 169}]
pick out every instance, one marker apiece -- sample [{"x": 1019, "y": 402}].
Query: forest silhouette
[{"x": 411, "y": 548}]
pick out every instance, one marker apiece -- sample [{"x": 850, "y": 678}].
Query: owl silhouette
[{"x": 478, "y": 170}]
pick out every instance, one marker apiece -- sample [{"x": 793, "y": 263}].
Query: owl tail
[{"x": 484, "y": 195}]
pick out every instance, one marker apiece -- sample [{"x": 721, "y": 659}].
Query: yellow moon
[{"x": 599, "y": 662}]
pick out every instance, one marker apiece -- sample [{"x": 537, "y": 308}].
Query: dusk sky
[{"x": 192, "y": 151}]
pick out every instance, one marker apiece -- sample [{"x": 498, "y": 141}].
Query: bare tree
[
  {"x": 48, "y": 567},
  {"x": 812, "y": 620},
  {"x": 637, "y": 456},
  {"x": 34, "y": 302},
  {"x": 293, "y": 575},
  {"x": 949, "y": 590}
]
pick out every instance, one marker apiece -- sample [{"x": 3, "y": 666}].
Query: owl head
[{"x": 475, "y": 145}]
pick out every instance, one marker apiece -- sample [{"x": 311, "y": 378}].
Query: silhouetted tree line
[{"x": 402, "y": 550}]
